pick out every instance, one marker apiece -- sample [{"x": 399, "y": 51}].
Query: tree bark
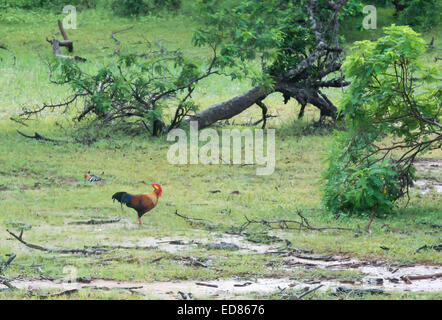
[
  {"x": 229, "y": 108},
  {"x": 302, "y": 92}
]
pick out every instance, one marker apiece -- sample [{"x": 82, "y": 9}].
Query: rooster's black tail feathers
[{"x": 122, "y": 197}]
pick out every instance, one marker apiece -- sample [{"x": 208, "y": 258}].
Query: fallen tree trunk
[
  {"x": 301, "y": 92},
  {"x": 230, "y": 108}
]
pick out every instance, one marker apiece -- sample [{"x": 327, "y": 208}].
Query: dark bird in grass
[
  {"x": 91, "y": 177},
  {"x": 141, "y": 203}
]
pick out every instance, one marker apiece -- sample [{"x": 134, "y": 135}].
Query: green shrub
[
  {"x": 358, "y": 188},
  {"x": 392, "y": 114},
  {"x": 423, "y": 14},
  {"x": 49, "y": 4}
]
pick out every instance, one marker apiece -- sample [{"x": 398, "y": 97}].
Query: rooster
[{"x": 142, "y": 203}]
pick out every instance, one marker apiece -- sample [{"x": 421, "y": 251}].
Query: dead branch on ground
[
  {"x": 38, "y": 136},
  {"x": 6, "y": 282},
  {"x": 96, "y": 221},
  {"x": 118, "y": 31},
  {"x": 197, "y": 221},
  {"x": 206, "y": 284},
  {"x": 240, "y": 285},
  {"x": 58, "y": 294},
  {"x": 7, "y": 262},
  {"x": 113, "y": 288},
  {"x": 407, "y": 279},
  {"x": 288, "y": 224},
  {"x": 52, "y": 250},
  {"x": 308, "y": 292},
  {"x": 106, "y": 247},
  {"x": 437, "y": 247}
]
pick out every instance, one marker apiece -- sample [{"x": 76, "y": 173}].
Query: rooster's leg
[{"x": 139, "y": 219}]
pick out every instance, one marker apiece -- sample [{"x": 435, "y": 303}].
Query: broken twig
[
  {"x": 206, "y": 284},
  {"x": 309, "y": 291},
  {"x": 118, "y": 31},
  {"x": 7, "y": 262}
]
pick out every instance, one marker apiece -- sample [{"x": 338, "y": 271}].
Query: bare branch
[
  {"x": 38, "y": 136},
  {"x": 118, "y": 31},
  {"x": 288, "y": 224},
  {"x": 96, "y": 221},
  {"x": 51, "y": 250},
  {"x": 309, "y": 291},
  {"x": 7, "y": 262}
]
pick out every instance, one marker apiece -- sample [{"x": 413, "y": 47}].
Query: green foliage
[
  {"x": 120, "y": 7},
  {"x": 276, "y": 32},
  {"x": 143, "y": 7},
  {"x": 385, "y": 99},
  {"x": 379, "y": 71},
  {"x": 423, "y": 14},
  {"x": 358, "y": 188},
  {"x": 131, "y": 86},
  {"x": 353, "y": 8},
  {"x": 48, "y": 4}
]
